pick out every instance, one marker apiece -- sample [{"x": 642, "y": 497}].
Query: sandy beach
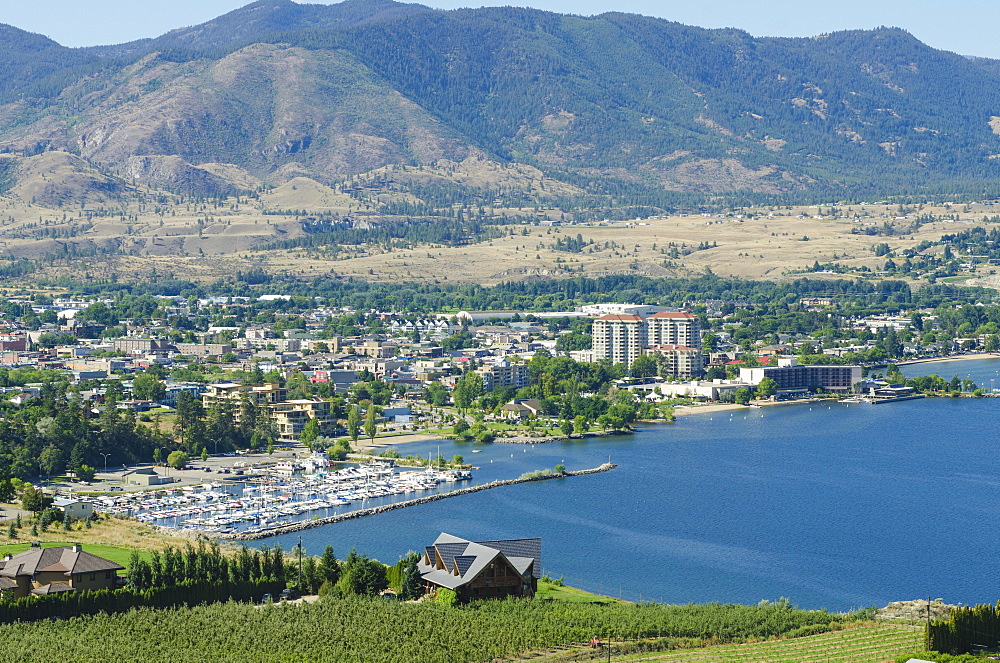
[
  {"x": 364, "y": 445},
  {"x": 935, "y": 360},
  {"x": 708, "y": 408}
]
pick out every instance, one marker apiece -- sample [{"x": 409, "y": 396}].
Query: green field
[
  {"x": 863, "y": 643},
  {"x": 870, "y": 644},
  {"x": 550, "y": 591},
  {"x": 113, "y": 553}
]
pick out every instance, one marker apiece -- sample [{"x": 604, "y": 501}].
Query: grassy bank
[{"x": 111, "y": 532}]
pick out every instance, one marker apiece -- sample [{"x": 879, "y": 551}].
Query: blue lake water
[{"x": 836, "y": 506}]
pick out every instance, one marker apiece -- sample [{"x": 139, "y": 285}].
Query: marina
[{"x": 267, "y": 502}]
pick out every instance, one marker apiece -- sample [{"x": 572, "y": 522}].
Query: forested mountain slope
[{"x": 621, "y": 106}]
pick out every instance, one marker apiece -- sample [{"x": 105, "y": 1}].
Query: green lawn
[
  {"x": 553, "y": 592},
  {"x": 115, "y": 554}
]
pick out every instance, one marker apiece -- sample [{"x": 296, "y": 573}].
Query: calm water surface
[{"x": 834, "y": 506}]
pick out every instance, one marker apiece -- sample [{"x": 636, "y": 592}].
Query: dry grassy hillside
[{"x": 131, "y": 231}]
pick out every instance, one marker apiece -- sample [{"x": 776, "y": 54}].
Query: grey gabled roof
[
  {"x": 59, "y": 559},
  {"x": 530, "y": 548},
  {"x": 464, "y": 560}
]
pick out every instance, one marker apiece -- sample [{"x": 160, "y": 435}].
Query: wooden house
[{"x": 482, "y": 569}]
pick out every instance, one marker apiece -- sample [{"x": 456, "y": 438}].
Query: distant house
[
  {"x": 52, "y": 570},
  {"x": 482, "y": 569},
  {"x": 73, "y": 507},
  {"x": 522, "y": 408}
]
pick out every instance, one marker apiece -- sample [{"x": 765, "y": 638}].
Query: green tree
[
  {"x": 148, "y": 387},
  {"x": 767, "y": 388},
  {"x": 992, "y": 343},
  {"x": 742, "y": 396},
  {"x": 204, "y": 454},
  {"x": 310, "y": 433},
  {"x": 412, "y": 586},
  {"x": 580, "y": 425},
  {"x": 85, "y": 472},
  {"x": 353, "y": 422},
  {"x": 177, "y": 459},
  {"x": 362, "y": 576},
  {"x": 7, "y": 491},
  {"x": 51, "y": 460},
  {"x": 34, "y": 500},
  {"x": 467, "y": 390},
  {"x": 328, "y": 566},
  {"x": 370, "y": 428}
]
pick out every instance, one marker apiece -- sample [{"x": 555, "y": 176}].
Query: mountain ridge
[{"x": 628, "y": 108}]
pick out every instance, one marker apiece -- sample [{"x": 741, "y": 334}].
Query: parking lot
[{"x": 215, "y": 468}]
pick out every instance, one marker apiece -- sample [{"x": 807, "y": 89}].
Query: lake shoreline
[{"x": 938, "y": 360}]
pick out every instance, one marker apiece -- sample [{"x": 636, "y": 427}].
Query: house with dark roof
[
  {"x": 482, "y": 569},
  {"x": 522, "y": 408},
  {"x": 40, "y": 570}
]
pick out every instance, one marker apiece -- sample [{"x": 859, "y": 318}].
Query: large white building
[{"x": 622, "y": 338}]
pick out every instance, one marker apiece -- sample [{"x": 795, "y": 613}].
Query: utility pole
[{"x": 300, "y": 562}]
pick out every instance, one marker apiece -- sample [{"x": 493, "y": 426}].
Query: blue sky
[{"x": 964, "y": 26}]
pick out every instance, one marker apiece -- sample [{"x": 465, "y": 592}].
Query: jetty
[{"x": 384, "y": 508}]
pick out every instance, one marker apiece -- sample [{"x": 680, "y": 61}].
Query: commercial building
[{"x": 792, "y": 377}]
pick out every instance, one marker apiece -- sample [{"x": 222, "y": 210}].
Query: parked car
[
  {"x": 267, "y": 598},
  {"x": 115, "y": 488},
  {"x": 287, "y": 594}
]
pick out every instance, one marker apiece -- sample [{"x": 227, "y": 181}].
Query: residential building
[
  {"x": 622, "y": 338},
  {"x": 290, "y": 417},
  {"x": 504, "y": 373},
  {"x": 58, "y": 569},
  {"x": 137, "y": 346},
  {"x": 522, "y": 408},
  {"x": 482, "y": 569},
  {"x": 204, "y": 349},
  {"x": 73, "y": 507},
  {"x": 681, "y": 360},
  {"x": 266, "y": 394}
]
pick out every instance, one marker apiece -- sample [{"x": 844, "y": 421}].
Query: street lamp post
[{"x": 105, "y": 460}]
